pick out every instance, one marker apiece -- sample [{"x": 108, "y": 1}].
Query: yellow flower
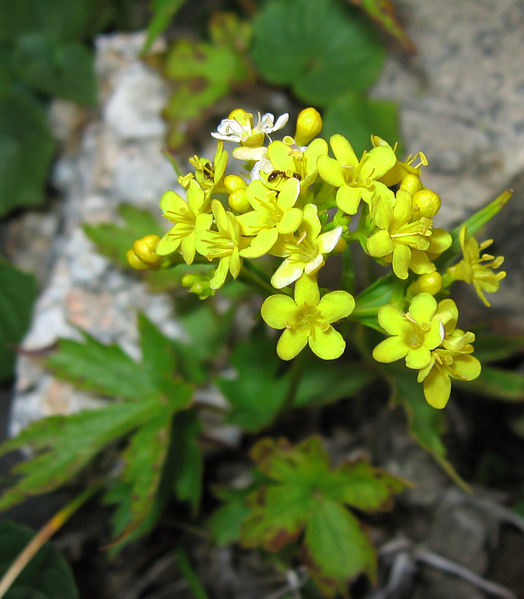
[
  {"x": 304, "y": 251},
  {"x": 414, "y": 334},
  {"x": 209, "y": 175},
  {"x": 307, "y": 318},
  {"x": 399, "y": 234},
  {"x": 356, "y": 179},
  {"x": 452, "y": 361},
  {"x": 400, "y": 170},
  {"x": 273, "y": 214},
  {"x": 224, "y": 244},
  {"x": 477, "y": 269},
  {"x": 189, "y": 217}
]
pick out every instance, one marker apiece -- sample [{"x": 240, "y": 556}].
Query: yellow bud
[
  {"x": 411, "y": 184},
  {"x": 426, "y": 202},
  {"x": 430, "y": 283},
  {"x": 144, "y": 249},
  {"x": 233, "y": 183},
  {"x": 309, "y": 125},
  {"x": 135, "y": 262},
  {"x": 238, "y": 201},
  {"x": 241, "y": 116}
]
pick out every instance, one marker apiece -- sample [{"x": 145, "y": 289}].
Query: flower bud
[
  {"x": 238, "y": 201},
  {"x": 430, "y": 283},
  {"x": 309, "y": 125},
  {"x": 426, "y": 202},
  {"x": 134, "y": 261},
  {"x": 411, "y": 183},
  {"x": 145, "y": 249},
  {"x": 233, "y": 183}
]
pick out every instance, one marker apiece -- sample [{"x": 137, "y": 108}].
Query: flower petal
[
  {"x": 171, "y": 203},
  {"x": 306, "y": 291},
  {"x": 288, "y": 272},
  {"x": 261, "y": 244},
  {"x": 466, "y": 368},
  {"x": 292, "y": 342},
  {"x": 401, "y": 260},
  {"x": 290, "y": 221},
  {"x": 390, "y": 350},
  {"x": 418, "y": 358},
  {"x": 379, "y": 244},
  {"x": 437, "y": 388},
  {"x": 168, "y": 244},
  {"x": 288, "y": 193},
  {"x": 220, "y": 274},
  {"x": 336, "y": 305},
  {"x": 330, "y": 170},
  {"x": 348, "y": 199},
  {"x": 278, "y": 311},
  {"x": 423, "y": 307},
  {"x": 391, "y": 319},
  {"x": 328, "y": 241},
  {"x": 343, "y": 150},
  {"x": 328, "y": 344}
]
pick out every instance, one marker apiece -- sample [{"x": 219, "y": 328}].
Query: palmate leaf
[
  {"x": 321, "y": 48},
  {"x": 304, "y": 497},
  {"x": 151, "y": 395}
]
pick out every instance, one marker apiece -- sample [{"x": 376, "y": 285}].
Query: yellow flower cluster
[{"x": 296, "y": 203}]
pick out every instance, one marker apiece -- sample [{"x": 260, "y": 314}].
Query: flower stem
[
  {"x": 296, "y": 375},
  {"x": 42, "y": 536}
]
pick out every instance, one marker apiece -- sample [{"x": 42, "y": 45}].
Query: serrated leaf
[
  {"x": 46, "y": 576},
  {"x": 18, "y": 292},
  {"x": 383, "y": 13},
  {"x": 357, "y": 118},
  {"x": 225, "y": 523},
  {"x": 426, "y": 424},
  {"x": 56, "y": 68},
  {"x": 26, "y": 149},
  {"x": 164, "y": 12},
  {"x": 67, "y": 444},
  {"x": 113, "y": 240},
  {"x": 320, "y": 63},
  {"x": 505, "y": 385},
  {"x": 302, "y": 493},
  {"x": 152, "y": 394},
  {"x": 336, "y": 549}
]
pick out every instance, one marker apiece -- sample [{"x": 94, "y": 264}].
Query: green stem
[
  {"x": 42, "y": 536},
  {"x": 348, "y": 271},
  {"x": 252, "y": 275},
  {"x": 197, "y": 590}
]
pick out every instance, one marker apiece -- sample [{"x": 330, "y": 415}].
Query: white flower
[{"x": 244, "y": 133}]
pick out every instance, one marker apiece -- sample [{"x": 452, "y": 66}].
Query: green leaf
[
  {"x": 320, "y": 63},
  {"x": 225, "y": 523},
  {"x": 151, "y": 394},
  {"x": 336, "y": 549},
  {"x": 303, "y": 493},
  {"x": 383, "y": 291},
  {"x": 190, "y": 576},
  {"x": 258, "y": 392},
  {"x": 113, "y": 240},
  {"x": 492, "y": 347},
  {"x": 46, "y": 576},
  {"x": 56, "y": 68},
  {"x": 498, "y": 383},
  {"x": 357, "y": 118},
  {"x": 188, "y": 466},
  {"x": 164, "y": 12},
  {"x": 383, "y": 13},
  {"x": 26, "y": 149},
  {"x": 60, "y": 19},
  {"x": 426, "y": 424},
  {"x": 18, "y": 292},
  {"x": 473, "y": 224}
]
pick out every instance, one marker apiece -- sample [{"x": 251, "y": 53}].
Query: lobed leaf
[{"x": 319, "y": 63}]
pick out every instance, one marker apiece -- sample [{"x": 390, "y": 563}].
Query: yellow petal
[
  {"x": 418, "y": 358},
  {"x": 261, "y": 244},
  {"x": 290, "y": 221},
  {"x": 466, "y": 368},
  {"x": 391, "y": 319},
  {"x": 390, "y": 350},
  {"x": 336, "y": 305},
  {"x": 278, "y": 311},
  {"x": 348, "y": 199},
  {"x": 288, "y": 272},
  {"x": 292, "y": 342},
  {"x": 437, "y": 388},
  {"x": 379, "y": 244},
  {"x": 343, "y": 150},
  {"x": 328, "y": 345},
  {"x": 331, "y": 171},
  {"x": 423, "y": 307},
  {"x": 306, "y": 291},
  {"x": 401, "y": 260}
]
